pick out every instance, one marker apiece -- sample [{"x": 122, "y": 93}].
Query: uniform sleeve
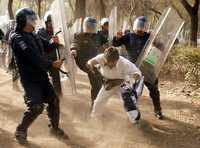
[
  {"x": 103, "y": 39},
  {"x": 46, "y": 43},
  {"x": 130, "y": 68},
  {"x": 119, "y": 41},
  {"x": 49, "y": 46},
  {"x": 74, "y": 44},
  {"x": 1, "y": 34},
  {"x": 32, "y": 55}
]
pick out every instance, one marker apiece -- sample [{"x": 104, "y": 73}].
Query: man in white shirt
[{"x": 115, "y": 71}]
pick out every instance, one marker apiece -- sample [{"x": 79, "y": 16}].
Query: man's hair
[{"x": 111, "y": 54}]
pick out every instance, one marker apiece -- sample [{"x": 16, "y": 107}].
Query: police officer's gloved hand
[
  {"x": 90, "y": 68},
  {"x": 55, "y": 40},
  {"x": 119, "y": 34},
  {"x": 57, "y": 64},
  {"x": 73, "y": 53},
  {"x": 136, "y": 77}
]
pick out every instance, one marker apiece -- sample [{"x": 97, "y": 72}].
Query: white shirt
[{"x": 124, "y": 68}]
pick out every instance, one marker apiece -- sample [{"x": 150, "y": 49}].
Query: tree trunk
[
  {"x": 194, "y": 30},
  {"x": 10, "y": 10},
  {"x": 193, "y": 13},
  {"x": 102, "y": 9},
  {"x": 39, "y": 2},
  {"x": 80, "y": 11}
]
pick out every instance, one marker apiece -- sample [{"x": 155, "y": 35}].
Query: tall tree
[
  {"x": 10, "y": 10},
  {"x": 102, "y": 9},
  {"x": 39, "y": 3},
  {"x": 193, "y": 13},
  {"x": 80, "y": 9}
]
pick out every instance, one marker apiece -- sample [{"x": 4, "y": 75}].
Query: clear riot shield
[
  {"x": 60, "y": 24},
  {"x": 3, "y": 7},
  {"x": 4, "y": 22},
  {"x": 159, "y": 44},
  {"x": 76, "y": 28},
  {"x": 112, "y": 24},
  {"x": 125, "y": 26}
]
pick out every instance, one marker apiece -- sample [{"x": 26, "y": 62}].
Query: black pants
[
  {"x": 36, "y": 94},
  {"x": 54, "y": 73},
  {"x": 154, "y": 94},
  {"x": 96, "y": 80}
]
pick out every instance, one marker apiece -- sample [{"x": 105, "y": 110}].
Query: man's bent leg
[{"x": 100, "y": 101}]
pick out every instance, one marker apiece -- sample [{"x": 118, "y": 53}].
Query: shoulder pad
[
  {"x": 19, "y": 41},
  {"x": 14, "y": 35}
]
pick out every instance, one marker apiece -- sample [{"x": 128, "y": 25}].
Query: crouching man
[{"x": 115, "y": 70}]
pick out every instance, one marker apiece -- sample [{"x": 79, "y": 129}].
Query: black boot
[
  {"x": 53, "y": 112},
  {"x": 21, "y": 135},
  {"x": 159, "y": 115},
  {"x": 59, "y": 133},
  {"x": 29, "y": 116}
]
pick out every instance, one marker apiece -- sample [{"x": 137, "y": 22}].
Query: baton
[{"x": 58, "y": 53}]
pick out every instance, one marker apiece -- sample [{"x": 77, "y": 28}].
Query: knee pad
[
  {"x": 37, "y": 108},
  {"x": 129, "y": 99},
  {"x": 139, "y": 86}
]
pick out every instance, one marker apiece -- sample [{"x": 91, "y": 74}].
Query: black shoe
[
  {"x": 159, "y": 115},
  {"x": 59, "y": 133},
  {"x": 91, "y": 107},
  {"x": 21, "y": 136}
]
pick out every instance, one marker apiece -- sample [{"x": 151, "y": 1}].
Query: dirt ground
[{"x": 180, "y": 129}]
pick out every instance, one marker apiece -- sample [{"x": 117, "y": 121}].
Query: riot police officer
[
  {"x": 85, "y": 46},
  {"x": 33, "y": 66},
  {"x": 46, "y": 35},
  {"x": 104, "y": 27},
  {"x": 1, "y": 34},
  {"x": 134, "y": 43}
]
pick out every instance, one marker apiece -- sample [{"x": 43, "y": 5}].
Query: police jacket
[
  {"x": 87, "y": 46},
  {"x": 46, "y": 38},
  {"x": 1, "y": 34},
  {"x": 28, "y": 51},
  {"x": 134, "y": 44}
]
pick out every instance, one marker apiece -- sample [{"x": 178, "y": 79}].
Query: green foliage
[
  {"x": 193, "y": 67},
  {"x": 184, "y": 63}
]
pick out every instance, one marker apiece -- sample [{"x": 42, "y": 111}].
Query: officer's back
[{"x": 27, "y": 49}]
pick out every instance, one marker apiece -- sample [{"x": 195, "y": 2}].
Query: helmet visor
[
  {"x": 32, "y": 20},
  {"x": 139, "y": 25}
]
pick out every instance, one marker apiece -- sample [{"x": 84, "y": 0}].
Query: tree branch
[
  {"x": 187, "y": 6},
  {"x": 196, "y": 5},
  {"x": 156, "y": 11},
  {"x": 71, "y": 6},
  {"x": 133, "y": 7}
]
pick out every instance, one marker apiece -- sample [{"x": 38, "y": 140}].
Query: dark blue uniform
[
  {"x": 1, "y": 34},
  {"x": 33, "y": 66},
  {"x": 134, "y": 46},
  {"x": 50, "y": 52}
]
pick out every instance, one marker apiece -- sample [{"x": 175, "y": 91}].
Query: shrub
[{"x": 184, "y": 63}]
